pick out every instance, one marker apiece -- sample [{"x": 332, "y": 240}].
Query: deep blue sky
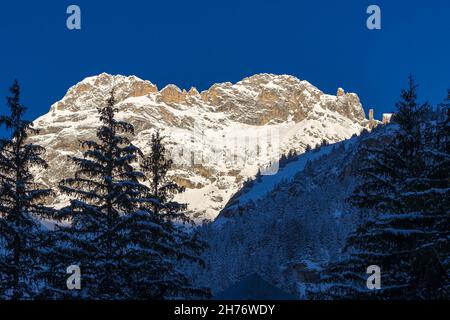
[{"x": 202, "y": 42}]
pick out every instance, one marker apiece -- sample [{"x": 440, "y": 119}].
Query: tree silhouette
[{"x": 22, "y": 260}]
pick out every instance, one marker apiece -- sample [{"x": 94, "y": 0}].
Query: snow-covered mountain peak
[
  {"x": 218, "y": 137},
  {"x": 88, "y": 93},
  {"x": 270, "y": 98}
]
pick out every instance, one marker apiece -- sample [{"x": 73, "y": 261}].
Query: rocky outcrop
[
  {"x": 193, "y": 92},
  {"x": 172, "y": 94}
]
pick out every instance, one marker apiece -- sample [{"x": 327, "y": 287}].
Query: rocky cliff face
[{"x": 217, "y": 138}]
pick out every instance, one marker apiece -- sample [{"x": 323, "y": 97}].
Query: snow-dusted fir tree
[
  {"x": 437, "y": 194},
  {"x": 155, "y": 166},
  {"x": 21, "y": 254},
  {"x": 172, "y": 242},
  {"x": 409, "y": 206},
  {"x": 104, "y": 214}
]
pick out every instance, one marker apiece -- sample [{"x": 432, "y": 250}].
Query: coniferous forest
[{"x": 127, "y": 237}]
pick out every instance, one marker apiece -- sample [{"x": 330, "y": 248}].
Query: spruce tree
[
  {"x": 156, "y": 166},
  {"x": 409, "y": 206},
  {"x": 409, "y": 113},
  {"x": 22, "y": 257},
  {"x": 173, "y": 242},
  {"x": 106, "y": 193}
]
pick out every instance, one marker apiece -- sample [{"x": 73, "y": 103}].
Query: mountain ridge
[{"x": 218, "y": 138}]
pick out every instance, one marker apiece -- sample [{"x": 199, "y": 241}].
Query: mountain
[
  {"x": 218, "y": 138},
  {"x": 288, "y": 226}
]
